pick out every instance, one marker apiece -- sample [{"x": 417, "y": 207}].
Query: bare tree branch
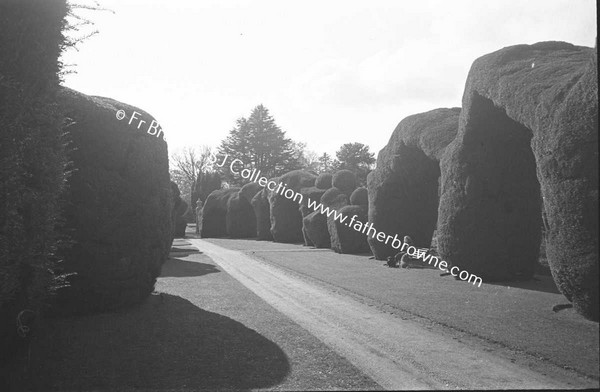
[{"x": 186, "y": 165}]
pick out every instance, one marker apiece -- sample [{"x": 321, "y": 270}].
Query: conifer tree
[
  {"x": 357, "y": 158},
  {"x": 259, "y": 143},
  {"x": 326, "y": 164}
]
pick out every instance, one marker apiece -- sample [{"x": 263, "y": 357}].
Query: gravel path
[{"x": 397, "y": 353}]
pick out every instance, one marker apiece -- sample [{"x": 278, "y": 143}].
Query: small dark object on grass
[
  {"x": 407, "y": 261},
  {"x": 392, "y": 262},
  {"x": 559, "y": 307}
]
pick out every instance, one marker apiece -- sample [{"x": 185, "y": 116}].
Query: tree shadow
[
  {"x": 183, "y": 252},
  {"x": 183, "y": 247},
  {"x": 541, "y": 283},
  {"x": 177, "y": 268},
  {"x": 167, "y": 343}
]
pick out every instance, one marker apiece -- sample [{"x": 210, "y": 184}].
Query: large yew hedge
[{"x": 32, "y": 159}]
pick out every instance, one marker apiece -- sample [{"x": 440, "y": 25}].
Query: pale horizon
[{"x": 329, "y": 73}]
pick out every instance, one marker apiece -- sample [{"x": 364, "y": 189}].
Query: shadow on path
[
  {"x": 167, "y": 343},
  {"x": 178, "y": 268}
]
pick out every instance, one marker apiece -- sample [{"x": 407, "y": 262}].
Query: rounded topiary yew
[
  {"x": 324, "y": 181},
  {"x": 240, "y": 218},
  {"x": 286, "y": 218},
  {"x": 404, "y": 187},
  {"x": 360, "y": 196},
  {"x": 214, "y": 213},
  {"x": 345, "y": 181},
  {"x": 119, "y": 209},
  {"x": 526, "y": 136},
  {"x": 348, "y": 239},
  {"x": 260, "y": 205}
]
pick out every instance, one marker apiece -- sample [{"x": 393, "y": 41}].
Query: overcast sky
[{"x": 330, "y": 72}]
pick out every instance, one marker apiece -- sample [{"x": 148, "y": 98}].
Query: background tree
[
  {"x": 206, "y": 182},
  {"x": 186, "y": 165},
  {"x": 356, "y": 158},
  {"x": 307, "y": 159},
  {"x": 326, "y": 164},
  {"x": 237, "y": 144},
  {"x": 260, "y": 143}
]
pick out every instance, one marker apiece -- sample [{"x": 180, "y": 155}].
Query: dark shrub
[
  {"x": 348, "y": 239},
  {"x": 286, "y": 218},
  {"x": 181, "y": 219},
  {"x": 249, "y": 190},
  {"x": 315, "y": 229},
  {"x": 120, "y": 206},
  {"x": 32, "y": 160},
  {"x": 334, "y": 202},
  {"x": 260, "y": 205},
  {"x": 345, "y": 181},
  {"x": 240, "y": 219},
  {"x": 343, "y": 239},
  {"x": 312, "y": 193},
  {"x": 214, "y": 213},
  {"x": 205, "y": 184},
  {"x": 360, "y": 197},
  {"x": 176, "y": 201},
  {"x": 404, "y": 188},
  {"x": 179, "y": 212},
  {"x": 315, "y": 224},
  {"x": 330, "y": 195},
  {"x": 189, "y": 216},
  {"x": 324, "y": 181},
  {"x": 527, "y": 134}
]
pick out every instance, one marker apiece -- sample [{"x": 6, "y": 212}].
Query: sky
[{"x": 330, "y": 72}]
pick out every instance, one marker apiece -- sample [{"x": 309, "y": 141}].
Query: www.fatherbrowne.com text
[{"x": 237, "y": 167}]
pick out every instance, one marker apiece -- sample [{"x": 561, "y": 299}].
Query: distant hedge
[{"x": 32, "y": 158}]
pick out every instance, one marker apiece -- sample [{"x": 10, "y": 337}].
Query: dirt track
[{"x": 396, "y": 353}]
